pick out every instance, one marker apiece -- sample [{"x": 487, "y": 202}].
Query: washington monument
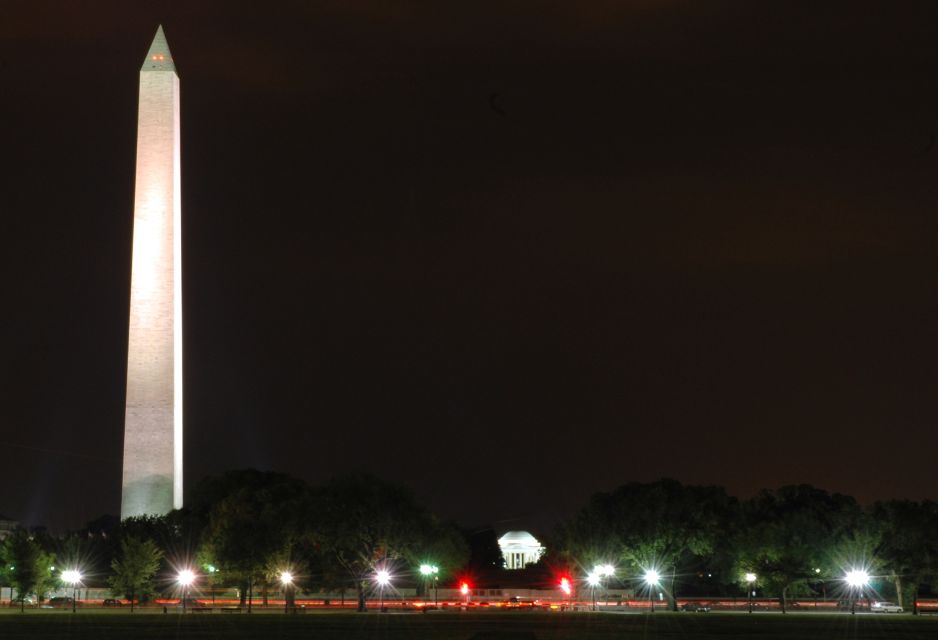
[{"x": 152, "y": 482}]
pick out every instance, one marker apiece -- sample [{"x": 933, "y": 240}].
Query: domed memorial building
[{"x": 519, "y": 549}]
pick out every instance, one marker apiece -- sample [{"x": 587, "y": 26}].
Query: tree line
[
  {"x": 244, "y": 528},
  {"x": 795, "y": 541}
]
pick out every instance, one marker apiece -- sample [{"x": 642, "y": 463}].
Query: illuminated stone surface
[{"x": 152, "y": 479}]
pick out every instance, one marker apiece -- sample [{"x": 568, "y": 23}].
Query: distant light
[
  {"x": 185, "y": 577},
  {"x": 211, "y": 568},
  {"x": 71, "y": 576},
  {"x": 604, "y": 570},
  {"x": 464, "y": 588},
  {"x": 286, "y": 577},
  {"x": 565, "y": 585},
  {"x": 428, "y": 569},
  {"x": 857, "y": 578},
  {"x": 817, "y": 571},
  {"x": 652, "y": 576},
  {"x": 750, "y": 577},
  {"x": 592, "y": 580},
  {"x": 383, "y": 577}
]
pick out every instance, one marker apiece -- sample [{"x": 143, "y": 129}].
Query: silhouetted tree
[
  {"x": 364, "y": 523},
  {"x": 908, "y": 546},
  {"x": 788, "y": 537},
  {"x": 641, "y": 526},
  {"x": 29, "y": 567},
  {"x": 133, "y": 572},
  {"x": 255, "y": 524}
]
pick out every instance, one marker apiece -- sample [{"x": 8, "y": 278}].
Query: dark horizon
[{"x": 506, "y": 255}]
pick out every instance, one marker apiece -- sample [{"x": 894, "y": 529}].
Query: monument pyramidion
[{"x": 152, "y": 476}]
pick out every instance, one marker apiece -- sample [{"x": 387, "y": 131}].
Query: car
[
  {"x": 60, "y": 601},
  {"x": 696, "y": 608},
  {"x": 28, "y": 600},
  {"x": 111, "y": 602},
  {"x": 885, "y": 607}
]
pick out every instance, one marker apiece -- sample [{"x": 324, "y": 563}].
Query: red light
[
  {"x": 565, "y": 585},
  {"x": 464, "y": 588}
]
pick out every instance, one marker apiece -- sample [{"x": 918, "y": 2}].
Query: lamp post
[
  {"x": 750, "y": 582},
  {"x": 286, "y": 579},
  {"x": 72, "y": 577},
  {"x": 185, "y": 579},
  {"x": 652, "y": 578},
  {"x": 430, "y": 571},
  {"x": 212, "y": 570},
  {"x": 593, "y": 581},
  {"x": 383, "y": 578},
  {"x": 856, "y": 579},
  {"x": 603, "y": 572}
]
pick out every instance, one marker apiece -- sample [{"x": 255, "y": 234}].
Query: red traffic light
[
  {"x": 464, "y": 588},
  {"x": 565, "y": 585}
]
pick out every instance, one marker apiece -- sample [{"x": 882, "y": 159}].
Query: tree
[
  {"x": 660, "y": 525},
  {"x": 134, "y": 570},
  {"x": 789, "y": 537},
  {"x": 364, "y": 523},
  {"x": 484, "y": 553},
  {"x": 255, "y": 525},
  {"x": 30, "y": 568},
  {"x": 908, "y": 548}
]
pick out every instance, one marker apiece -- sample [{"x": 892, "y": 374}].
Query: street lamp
[
  {"x": 750, "y": 581},
  {"x": 593, "y": 580},
  {"x": 428, "y": 571},
  {"x": 286, "y": 579},
  {"x": 72, "y": 577},
  {"x": 602, "y": 572},
  {"x": 856, "y": 579},
  {"x": 212, "y": 570},
  {"x": 383, "y": 578},
  {"x": 652, "y": 577},
  {"x": 185, "y": 578}
]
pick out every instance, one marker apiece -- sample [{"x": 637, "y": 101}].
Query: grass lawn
[{"x": 501, "y": 625}]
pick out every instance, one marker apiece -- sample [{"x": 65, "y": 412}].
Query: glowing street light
[
  {"x": 211, "y": 570},
  {"x": 72, "y": 577},
  {"x": 599, "y": 574},
  {"x": 652, "y": 578},
  {"x": 593, "y": 580},
  {"x": 431, "y": 571},
  {"x": 856, "y": 579},
  {"x": 185, "y": 578},
  {"x": 383, "y": 578},
  {"x": 286, "y": 579},
  {"x": 750, "y": 581}
]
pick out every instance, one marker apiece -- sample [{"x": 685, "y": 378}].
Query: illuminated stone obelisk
[{"x": 152, "y": 482}]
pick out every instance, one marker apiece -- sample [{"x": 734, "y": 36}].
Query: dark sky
[{"x": 508, "y": 253}]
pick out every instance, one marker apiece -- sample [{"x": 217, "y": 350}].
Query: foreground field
[{"x": 470, "y": 626}]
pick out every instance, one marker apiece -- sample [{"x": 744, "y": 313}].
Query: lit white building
[{"x": 520, "y": 548}]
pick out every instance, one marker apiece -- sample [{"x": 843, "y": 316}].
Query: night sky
[{"x": 507, "y": 253}]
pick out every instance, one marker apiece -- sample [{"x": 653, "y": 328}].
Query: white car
[{"x": 885, "y": 607}]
